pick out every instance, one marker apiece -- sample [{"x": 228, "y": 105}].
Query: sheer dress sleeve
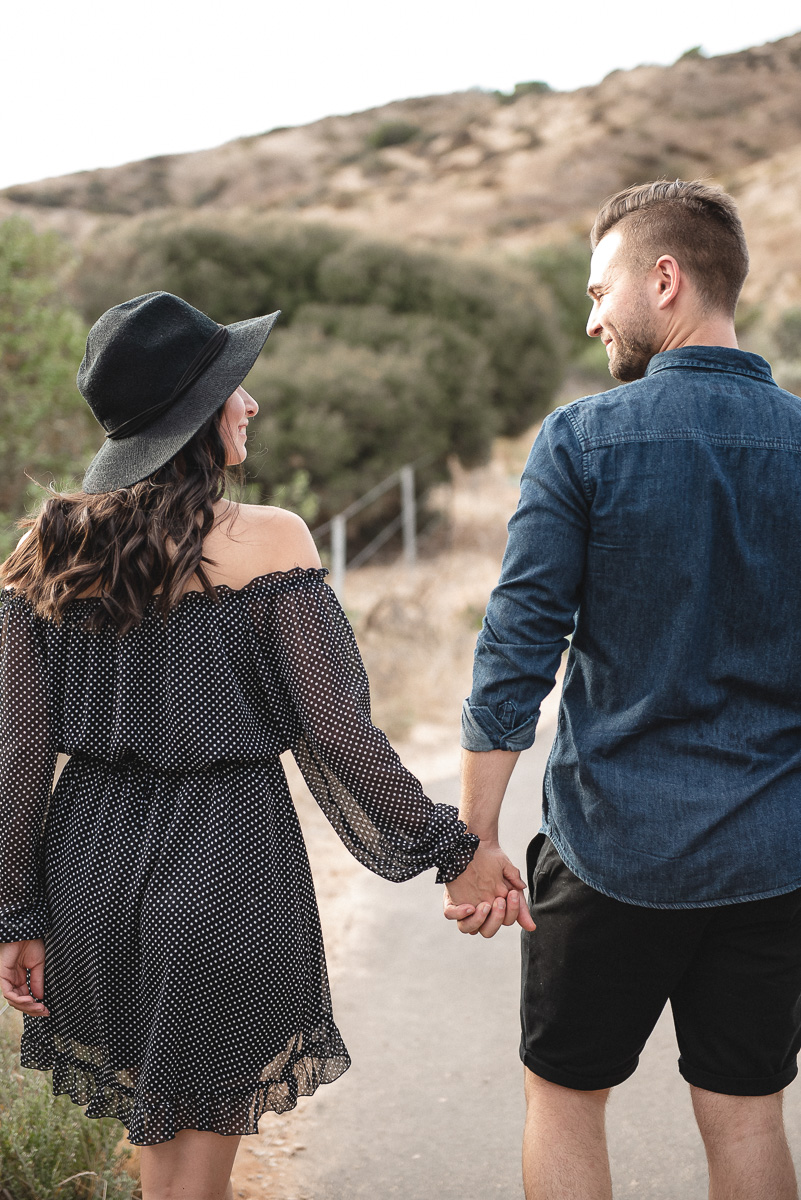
[
  {"x": 376, "y": 806},
  {"x": 27, "y": 765}
]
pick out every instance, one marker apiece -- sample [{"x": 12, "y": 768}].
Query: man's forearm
[
  {"x": 484, "y": 779},
  {"x": 488, "y": 893}
]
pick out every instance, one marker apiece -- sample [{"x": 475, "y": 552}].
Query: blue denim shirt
[{"x": 660, "y": 524}]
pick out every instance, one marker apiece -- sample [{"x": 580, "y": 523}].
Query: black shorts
[{"x": 597, "y": 974}]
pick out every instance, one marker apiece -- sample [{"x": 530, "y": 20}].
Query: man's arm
[
  {"x": 526, "y": 628},
  {"x": 491, "y": 884}
]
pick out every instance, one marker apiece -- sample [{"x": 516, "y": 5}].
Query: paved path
[{"x": 432, "y": 1106}]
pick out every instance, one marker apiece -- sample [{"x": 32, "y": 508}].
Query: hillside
[{"x": 476, "y": 170}]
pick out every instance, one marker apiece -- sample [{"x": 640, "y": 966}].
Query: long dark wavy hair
[{"x": 128, "y": 544}]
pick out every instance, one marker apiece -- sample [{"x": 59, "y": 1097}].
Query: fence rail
[{"x": 406, "y": 521}]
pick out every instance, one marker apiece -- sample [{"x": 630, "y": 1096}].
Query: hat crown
[{"x": 138, "y": 352}]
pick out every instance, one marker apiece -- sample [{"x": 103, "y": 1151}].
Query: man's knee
[
  {"x": 722, "y": 1118},
  {"x": 539, "y": 1090}
]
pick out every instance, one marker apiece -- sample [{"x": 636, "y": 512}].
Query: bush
[
  {"x": 534, "y": 87},
  {"x": 787, "y": 335},
  {"x": 449, "y": 370},
  {"x": 784, "y": 337},
  {"x": 228, "y": 273},
  {"x": 383, "y": 354},
  {"x": 45, "y": 1139},
  {"x": 350, "y": 396},
  {"x": 496, "y": 306},
  {"x": 46, "y": 429},
  {"x": 564, "y": 270},
  {"x": 392, "y": 133},
  {"x": 296, "y": 495},
  {"x": 788, "y": 375}
]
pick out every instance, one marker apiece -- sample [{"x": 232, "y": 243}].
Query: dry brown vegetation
[
  {"x": 417, "y": 628},
  {"x": 471, "y": 171}
]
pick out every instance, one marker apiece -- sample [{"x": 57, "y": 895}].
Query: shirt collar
[{"x": 713, "y": 358}]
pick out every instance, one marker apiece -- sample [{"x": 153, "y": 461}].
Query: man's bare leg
[
  {"x": 746, "y": 1146},
  {"x": 564, "y": 1144}
]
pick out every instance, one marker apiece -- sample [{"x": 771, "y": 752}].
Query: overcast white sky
[{"x": 89, "y": 83}]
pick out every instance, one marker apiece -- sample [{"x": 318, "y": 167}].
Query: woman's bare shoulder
[{"x": 265, "y": 539}]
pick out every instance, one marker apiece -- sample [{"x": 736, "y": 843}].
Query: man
[{"x": 660, "y": 524}]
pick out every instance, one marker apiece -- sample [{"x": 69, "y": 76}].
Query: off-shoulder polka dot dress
[{"x": 184, "y": 970}]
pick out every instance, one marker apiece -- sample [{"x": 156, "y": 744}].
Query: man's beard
[{"x": 630, "y": 353}]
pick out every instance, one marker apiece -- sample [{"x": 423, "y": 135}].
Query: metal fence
[{"x": 406, "y": 521}]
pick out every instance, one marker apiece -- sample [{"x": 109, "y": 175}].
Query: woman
[{"x": 173, "y": 644}]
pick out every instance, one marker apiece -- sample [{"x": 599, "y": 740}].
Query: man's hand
[
  {"x": 16, "y": 960},
  {"x": 488, "y": 894}
]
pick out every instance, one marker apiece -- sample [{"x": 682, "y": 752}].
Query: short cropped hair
[{"x": 696, "y": 223}]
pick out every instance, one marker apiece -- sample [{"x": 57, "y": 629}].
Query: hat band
[{"x": 198, "y": 365}]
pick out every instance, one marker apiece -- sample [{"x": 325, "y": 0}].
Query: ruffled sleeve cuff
[{"x": 455, "y": 847}]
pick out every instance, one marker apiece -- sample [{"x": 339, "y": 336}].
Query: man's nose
[{"x": 593, "y": 324}]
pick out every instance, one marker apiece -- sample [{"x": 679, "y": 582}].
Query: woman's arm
[
  {"x": 376, "y": 806},
  {"x": 27, "y": 766}
]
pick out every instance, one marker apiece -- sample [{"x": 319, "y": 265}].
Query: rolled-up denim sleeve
[{"x": 532, "y": 611}]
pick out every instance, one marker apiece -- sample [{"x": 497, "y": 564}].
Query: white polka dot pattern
[{"x": 185, "y": 973}]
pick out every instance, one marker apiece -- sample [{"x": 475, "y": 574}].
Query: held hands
[
  {"x": 488, "y": 894},
  {"x": 16, "y": 959}
]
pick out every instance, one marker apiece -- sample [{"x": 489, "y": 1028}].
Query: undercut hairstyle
[{"x": 694, "y": 222}]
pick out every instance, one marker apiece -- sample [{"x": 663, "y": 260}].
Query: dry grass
[{"x": 417, "y": 628}]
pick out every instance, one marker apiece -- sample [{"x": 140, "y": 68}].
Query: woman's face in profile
[{"x": 237, "y": 411}]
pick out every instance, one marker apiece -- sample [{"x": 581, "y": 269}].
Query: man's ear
[{"x": 667, "y": 278}]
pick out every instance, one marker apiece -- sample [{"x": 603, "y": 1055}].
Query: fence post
[
  {"x": 409, "y": 510},
  {"x": 338, "y": 553}
]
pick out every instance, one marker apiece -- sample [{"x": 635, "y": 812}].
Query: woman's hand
[
  {"x": 16, "y": 960},
  {"x": 488, "y": 894}
]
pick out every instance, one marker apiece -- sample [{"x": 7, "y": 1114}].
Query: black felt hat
[{"x": 154, "y": 371}]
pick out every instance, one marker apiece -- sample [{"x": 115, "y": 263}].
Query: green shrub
[
  {"x": 296, "y": 495},
  {"x": 392, "y": 133},
  {"x": 788, "y": 375},
  {"x": 787, "y": 335},
  {"x": 383, "y": 354},
  {"x": 447, "y": 370},
  {"x": 350, "y": 414},
  {"x": 495, "y": 305},
  {"x": 535, "y": 87},
  {"x": 227, "y": 272},
  {"x": 564, "y": 270},
  {"x": 749, "y": 318},
  {"x": 45, "y": 1139},
  {"x": 45, "y": 428}
]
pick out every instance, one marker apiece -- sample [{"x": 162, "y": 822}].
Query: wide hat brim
[{"x": 122, "y": 462}]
